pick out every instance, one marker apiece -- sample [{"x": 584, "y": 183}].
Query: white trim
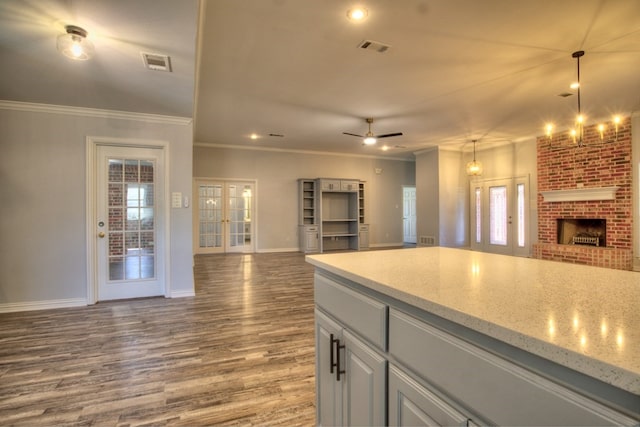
[
  {"x": 288, "y": 150},
  {"x": 183, "y": 294},
  {"x": 91, "y": 143},
  {"x": 277, "y": 250},
  {"x": 580, "y": 194},
  {"x": 386, "y": 245},
  {"x": 93, "y": 112},
  {"x": 13, "y": 307}
]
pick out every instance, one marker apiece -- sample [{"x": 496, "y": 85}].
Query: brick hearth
[{"x": 590, "y": 166}]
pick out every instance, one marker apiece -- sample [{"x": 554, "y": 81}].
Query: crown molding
[
  {"x": 92, "y": 112},
  {"x": 287, "y": 150}
]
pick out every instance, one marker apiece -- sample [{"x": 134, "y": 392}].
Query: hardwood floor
[{"x": 240, "y": 353}]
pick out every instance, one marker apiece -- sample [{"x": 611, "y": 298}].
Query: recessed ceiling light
[
  {"x": 253, "y": 136},
  {"x": 357, "y": 13}
]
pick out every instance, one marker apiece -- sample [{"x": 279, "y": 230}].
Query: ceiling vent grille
[
  {"x": 374, "y": 46},
  {"x": 156, "y": 62}
]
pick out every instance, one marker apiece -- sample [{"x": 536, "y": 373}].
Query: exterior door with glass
[
  {"x": 499, "y": 216},
  {"x": 130, "y": 222},
  {"x": 225, "y": 216}
]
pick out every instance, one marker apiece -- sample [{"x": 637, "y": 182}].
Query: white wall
[
  {"x": 277, "y": 173},
  {"x": 42, "y": 214}
]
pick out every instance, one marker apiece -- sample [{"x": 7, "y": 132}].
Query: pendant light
[
  {"x": 474, "y": 168},
  {"x": 74, "y": 44}
]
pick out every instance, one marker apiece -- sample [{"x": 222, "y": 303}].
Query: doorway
[
  {"x": 499, "y": 216},
  {"x": 225, "y": 218},
  {"x": 126, "y": 227},
  {"x": 409, "y": 218}
]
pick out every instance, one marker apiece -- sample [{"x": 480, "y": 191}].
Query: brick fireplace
[{"x": 586, "y": 183}]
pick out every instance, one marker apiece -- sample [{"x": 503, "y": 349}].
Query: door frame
[
  {"x": 512, "y": 184},
  {"x": 92, "y": 142},
  {"x": 195, "y": 219}
]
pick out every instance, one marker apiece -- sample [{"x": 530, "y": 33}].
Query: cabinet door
[
  {"x": 328, "y": 390},
  {"x": 411, "y": 404},
  {"x": 364, "y": 388}
]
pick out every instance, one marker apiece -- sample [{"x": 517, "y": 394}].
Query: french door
[
  {"x": 129, "y": 223},
  {"x": 225, "y": 216},
  {"x": 499, "y": 216}
]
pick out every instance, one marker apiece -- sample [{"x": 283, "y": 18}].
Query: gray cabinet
[
  {"x": 438, "y": 373},
  {"x": 350, "y": 377},
  {"x": 363, "y": 232},
  {"x": 309, "y": 238},
  {"x": 350, "y": 367}
]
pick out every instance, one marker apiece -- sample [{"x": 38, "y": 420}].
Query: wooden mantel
[{"x": 580, "y": 194}]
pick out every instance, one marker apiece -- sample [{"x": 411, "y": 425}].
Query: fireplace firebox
[{"x": 589, "y": 231}]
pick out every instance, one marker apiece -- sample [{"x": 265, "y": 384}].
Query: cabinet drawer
[
  {"x": 490, "y": 386},
  {"x": 349, "y": 185},
  {"x": 360, "y": 313},
  {"x": 330, "y": 184}
]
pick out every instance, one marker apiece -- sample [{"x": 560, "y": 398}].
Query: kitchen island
[{"x": 480, "y": 337}]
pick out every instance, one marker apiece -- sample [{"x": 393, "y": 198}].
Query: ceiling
[{"x": 456, "y": 71}]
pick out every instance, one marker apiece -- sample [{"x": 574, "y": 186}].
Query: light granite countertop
[{"x": 585, "y": 318}]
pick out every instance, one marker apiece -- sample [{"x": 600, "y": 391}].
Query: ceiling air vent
[
  {"x": 374, "y": 46},
  {"x": 156, "y": 62}
]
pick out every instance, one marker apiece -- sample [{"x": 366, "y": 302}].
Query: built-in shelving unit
[
  {"x": 308, "y": 228},
  {"x": 331, "y": 215},
  {"x": 339, "y": 210}
]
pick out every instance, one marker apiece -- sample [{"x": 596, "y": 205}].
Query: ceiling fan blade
[
  {"x": 353, "y": 134},
  {"x": 387, "y": 135}
]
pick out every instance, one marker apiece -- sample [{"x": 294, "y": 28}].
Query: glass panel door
[
  {"x": 129, "y": 222},
  {"x": 499, "y": 216},
  {"x": 225, "y": 217},
  {"x": 210, "y": 211}
]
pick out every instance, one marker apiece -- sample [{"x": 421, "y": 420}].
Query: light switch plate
[{"x": 176, "y": 200}]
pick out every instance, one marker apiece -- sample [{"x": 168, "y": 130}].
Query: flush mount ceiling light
[
  {"x": 474, "y": 168},
  {"x": 577, "y": 132},
  {"x": 357, "y": 14},
  {"x": 74, "y": 44}
]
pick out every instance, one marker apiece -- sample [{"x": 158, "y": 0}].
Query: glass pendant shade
[
  {"x": 474, "y": 168},
  {"x": 74, "y": 44}
]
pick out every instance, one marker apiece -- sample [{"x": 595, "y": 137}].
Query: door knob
[{"x": 101, "y": 234}]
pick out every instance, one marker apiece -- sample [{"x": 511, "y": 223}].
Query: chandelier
[{"x": 577, "y": 133}]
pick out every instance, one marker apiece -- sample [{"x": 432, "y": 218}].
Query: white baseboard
[
  {"x": 183, "y": 294},
  {"x": 387, "y": 245},
  {"x": 13, "y": 307},
  {"x": 265, "y": 251}
]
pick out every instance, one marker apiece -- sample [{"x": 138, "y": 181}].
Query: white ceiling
[{"x": 457, "y": 70}]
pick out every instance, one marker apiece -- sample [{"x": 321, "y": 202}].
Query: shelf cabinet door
[
  {"x": 365, "y": 385},
  {"x": 328, "y": 390}
]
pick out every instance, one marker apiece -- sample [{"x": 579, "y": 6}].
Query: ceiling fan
[{"x": 369, "y": 137}]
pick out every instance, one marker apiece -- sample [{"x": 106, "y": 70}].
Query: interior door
[
  {"x": 225, "y": 216},
  {"x": 499, "y": 216},
  {"x": 130, "y": 222},
  {"x": 409, "y": 214}
]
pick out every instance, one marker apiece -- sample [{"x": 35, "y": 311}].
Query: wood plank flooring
[{"x": 240, "y": 353}]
